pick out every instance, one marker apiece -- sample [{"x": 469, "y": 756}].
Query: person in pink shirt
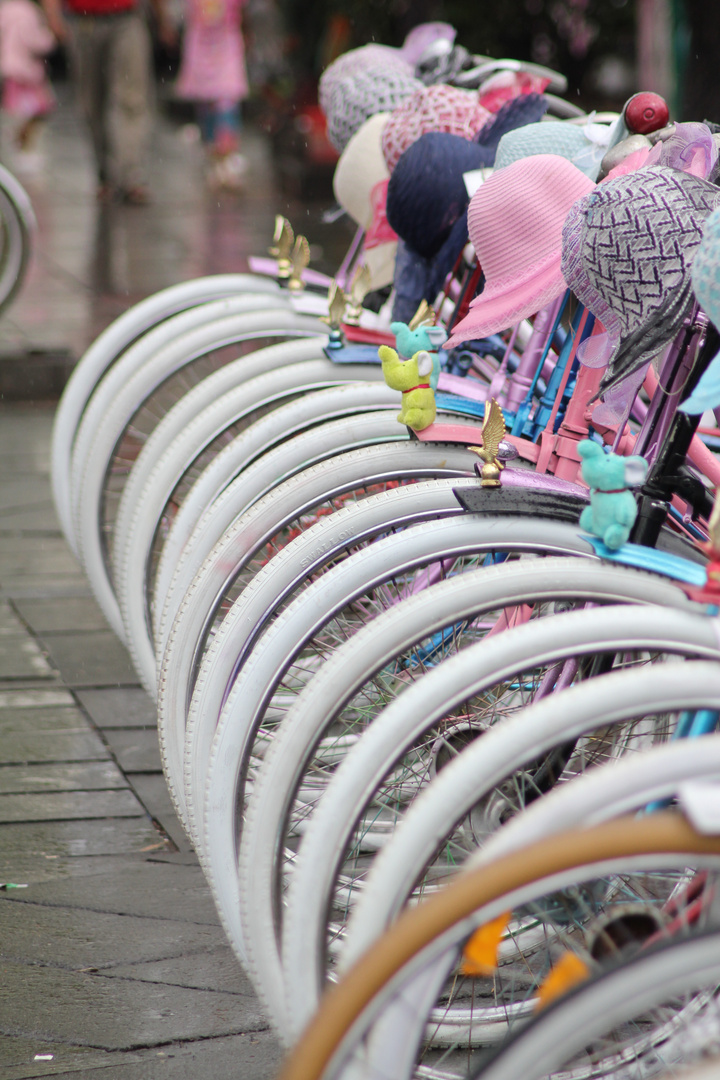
[
  {"x": 213, "y": 75},
  {"x": 25, "y": 38}
]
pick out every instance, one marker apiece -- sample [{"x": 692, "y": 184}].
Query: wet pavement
[{"x": 112, "y": 960}]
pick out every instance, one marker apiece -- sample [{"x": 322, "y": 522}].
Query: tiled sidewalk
[{"x": 112, "y": 961}]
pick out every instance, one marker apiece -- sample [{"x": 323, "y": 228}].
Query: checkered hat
[
  {"x": 362, "y": 86},
  {"x": 431, "y": 108},
  {"x": 628, "y": 249},
  {"x": 355, "y": 62}
]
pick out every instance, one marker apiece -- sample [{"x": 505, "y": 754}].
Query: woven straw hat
[
  {"x": 432, "y": 108},
  {"x": 629, "y": 250},
  {"x": 358, "y": 174},
  {"x": 515, "y": 223}
]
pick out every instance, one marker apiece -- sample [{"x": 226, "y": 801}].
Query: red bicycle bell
[{"x": 646, "y": 112}]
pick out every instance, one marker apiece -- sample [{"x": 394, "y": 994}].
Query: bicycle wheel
[
  {"x": 142, "y": 520},
  {"x": 112, "y": 343},
  {"x": 313, "y": 554},
  {"x": 185, "y": 338},
  {"x": 350, "y": 880},
  {"x": 429, "y": 939},
  {"x": 248, "y": 540},
  {"x": 17, "y": 233},
  {"x": 655, "y": 1012},
  {"x": 302, "y": 755},
  {"x": 653, "y": 777},
  {"x": 135, "y": 411}
]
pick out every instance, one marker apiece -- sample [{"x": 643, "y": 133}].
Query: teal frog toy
[
  {"x": 612, "y": 510},
  {"x": 414, "y": 368}
]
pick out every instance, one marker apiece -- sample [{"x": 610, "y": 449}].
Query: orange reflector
[
  {"x": 569, "y": 971},
  {"x": 480, "y": 955}
]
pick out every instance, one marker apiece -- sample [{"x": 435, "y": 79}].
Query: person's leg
[
  {"x": 129, "y": 105},
  {"x": 231, "y": 165},
  {"x": 205, "y": 116},
  {"x": 227, "y": 127},
  {"x": 88, "y": 57}
]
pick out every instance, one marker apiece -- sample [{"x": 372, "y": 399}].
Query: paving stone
[
  {"x": 118, "y": 707},
  {"x": 85, "y": 776},
  {"x": 91, "y": 659},
  {"x": 136, "y": 750},
  {"x": 36, "y": 558},
  {"x": 69, "y": 805},
  {"x": 22, "y": 488},
  {"x": 72, "y": 745},
  {"x": 34, "y": 699},
  {"x": 115, "y": 1014},
  {"x": 22, "y": 658},
  {"x": 9, "y": 621},
  {"x": 78, "y": 937},
  {"x": 44, "y": 721},
  {"x": 152, "y": 791},
  {"x": 18, "y": 1058},
  {"x": 219, "y": 970},
  {"x": 62, "y": 613},
  {"x": 39, "y": 519},
  {"x": 123, "y": 886},
  {"x": 255, "y": 1056},
  {"x": 32, "y": 841}
]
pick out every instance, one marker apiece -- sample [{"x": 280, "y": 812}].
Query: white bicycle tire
[
  {"x": 261, "y": 838},
  {"x": 575, "y": 1020},
  {"x": 315, "y": 606},
  {"x": 304, "y": 724},
  {"x": 113, "y": 341},
  {"x": 284, "y": 577},
  {"x": 358, "y": 772},
  {"x": 238, "y": 492},
  {"x": 397, "y": 1005},
  {"x": 190, "y": 326},
  {"x": 18, "y": 227},
  {"x": 127, "y": 400},
  {"x": 608, "y": 792},
  {"x": 611, "y": 698},
  {"x": 174, "y": 423},
  {"x": 249, "y": 531},
  {"x": 141, "y": 519}
]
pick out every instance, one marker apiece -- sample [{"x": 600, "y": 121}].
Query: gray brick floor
[{"x": 112, "y": 960}]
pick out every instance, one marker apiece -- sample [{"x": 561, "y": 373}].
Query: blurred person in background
[
  {"x": 27, "y": 96},
  {"x": 213, "y": 76},
  {"x": 110, "y": 55}
]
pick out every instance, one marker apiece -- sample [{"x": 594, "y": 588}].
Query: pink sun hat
[
  {"x": 432, "y": 108},
  {"x": 515, "y": 223}
]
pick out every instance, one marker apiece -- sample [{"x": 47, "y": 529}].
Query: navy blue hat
[{"x": 427, "y": 193}]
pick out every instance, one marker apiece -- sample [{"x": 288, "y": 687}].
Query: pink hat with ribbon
[
  {"x": 432, "y": 108},
  {"x": 515, "y": 223}
]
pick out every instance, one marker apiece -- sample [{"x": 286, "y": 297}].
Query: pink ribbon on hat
[
  {"x": 506, "y": 85},
  {"x": 379, "y": 231}
]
